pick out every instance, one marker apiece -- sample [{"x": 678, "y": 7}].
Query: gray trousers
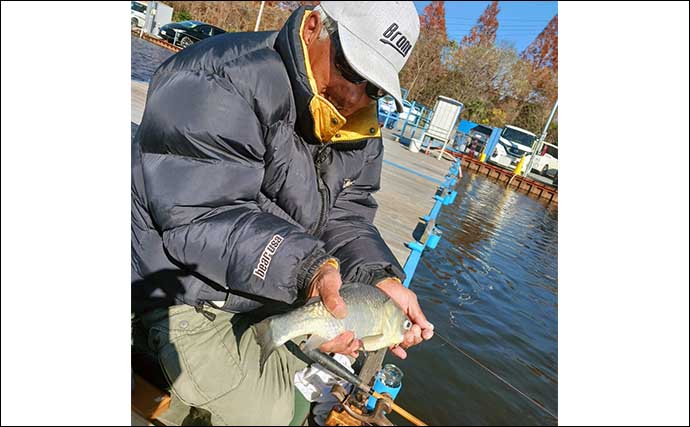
[{"x": 214, "y": 366}]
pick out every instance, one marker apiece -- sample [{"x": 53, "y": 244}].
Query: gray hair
[{"x": 328, "y": 26}]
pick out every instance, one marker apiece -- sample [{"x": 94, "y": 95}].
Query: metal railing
[{"x": 431, "y": 234}]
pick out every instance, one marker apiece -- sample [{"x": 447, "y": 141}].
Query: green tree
[{"x": 181, "y": 15}]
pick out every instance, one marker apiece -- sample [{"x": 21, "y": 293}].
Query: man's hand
[
  {"x": 326, "y": 284},
  {"x": 421, "y": 328}
]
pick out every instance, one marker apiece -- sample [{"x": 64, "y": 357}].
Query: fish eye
[{"x": 407, "y": 324}]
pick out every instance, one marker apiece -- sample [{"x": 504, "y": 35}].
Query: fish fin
[
  {"x": 373, "y": 342},
  {"x": 313, "y": 342},
  {"x": 267, "y": 345},
  {"x": 348, "y": 285}
]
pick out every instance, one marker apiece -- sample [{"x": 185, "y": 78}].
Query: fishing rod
[{"x": 337, "y": 369}]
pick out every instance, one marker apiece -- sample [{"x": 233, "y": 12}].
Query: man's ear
[{"x": 312, "y": 28}]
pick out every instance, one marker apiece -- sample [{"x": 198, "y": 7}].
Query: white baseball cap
[{"x": 377, "y": 38}]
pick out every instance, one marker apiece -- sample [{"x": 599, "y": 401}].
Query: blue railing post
[
  {"x": 414, "y": 130},
  {"x": 419, "y": 118},
  {"x": 407, "y": 119},
  {"x": 385, "y": 122},
  {"x": 425, "y": 126},
  {"x": 433, "y": 233},
  {"x": 435, "y": 210}
]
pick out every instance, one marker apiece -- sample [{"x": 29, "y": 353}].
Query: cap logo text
[{"x": 401, "y": 45}]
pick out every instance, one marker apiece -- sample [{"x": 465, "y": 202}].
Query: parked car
[
  {"x": 513, "y": 143},
  {"x": 138, "y": 14},
  {"x": 186, "y": 33},
  {"x": 546, "y": 162},
  {"x": 475, "y": 140},
  {"x": 481, "y": 133}
]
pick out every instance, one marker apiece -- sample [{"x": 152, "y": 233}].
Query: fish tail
[{"x": 267, "y": 344}]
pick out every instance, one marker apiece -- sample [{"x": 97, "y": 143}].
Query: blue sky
[{"x": 519, "y": 22}]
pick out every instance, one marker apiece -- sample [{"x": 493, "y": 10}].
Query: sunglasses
[{"x": 349, "y": 74}]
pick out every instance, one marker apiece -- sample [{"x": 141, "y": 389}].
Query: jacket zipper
[{"x": 323, "y": 191}]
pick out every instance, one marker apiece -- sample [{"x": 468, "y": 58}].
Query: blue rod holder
[
  {"x": 450, "y": 197},
  {"x": 412, "y": 261},
  {"x": 434, "y": 238},
  {"x": 381, "y": 387}
]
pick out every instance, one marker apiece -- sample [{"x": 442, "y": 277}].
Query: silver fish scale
[{"x": 363, "y": 303}]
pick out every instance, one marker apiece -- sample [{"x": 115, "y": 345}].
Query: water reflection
[
  {"x": 490, "y": 287},
  {"x": 146, "y": 57}
]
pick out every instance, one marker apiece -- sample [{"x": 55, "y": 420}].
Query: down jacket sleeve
[
  {"x": 202, "y": 156},
  {"x": 350, "y": 234}
]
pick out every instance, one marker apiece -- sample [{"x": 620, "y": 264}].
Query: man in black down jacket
[{"x": 252, "y": 178}]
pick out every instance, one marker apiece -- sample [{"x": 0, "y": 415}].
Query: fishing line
[{"x": 539, "y": 405}]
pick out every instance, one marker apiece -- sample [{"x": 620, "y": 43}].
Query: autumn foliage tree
[
  {"x": 484, "y": 33},
  {"x": 541, "y": 57},
  {"x": 543, "y": 51},
  {"x": 474, "y": 66},
  {"x": 425, "y": 63},
  {"x": 433, "y": 18}
]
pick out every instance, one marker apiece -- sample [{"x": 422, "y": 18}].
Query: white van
[
  {"x": 138, "y": 14},
  {"x": 512, "y": 145},
  {"x": 546, "y": 162}
]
